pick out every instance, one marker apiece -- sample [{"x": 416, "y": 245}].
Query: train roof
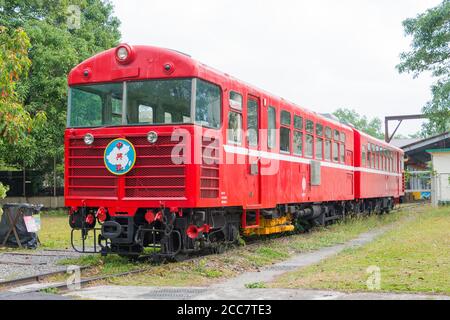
[{"x": 148, "y": 62}]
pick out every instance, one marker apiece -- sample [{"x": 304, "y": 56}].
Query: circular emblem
[{"x": 120, "y": 156}]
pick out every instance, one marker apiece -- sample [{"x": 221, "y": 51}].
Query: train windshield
[{"x": 152, "y": 102}]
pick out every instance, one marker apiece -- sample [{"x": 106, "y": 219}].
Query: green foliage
[
  {"x": 56, "y": 48},
  {"x": 371, "y": 127},
  {"x": 430, "y": 51},
  {"x": 3, "y": 190}
]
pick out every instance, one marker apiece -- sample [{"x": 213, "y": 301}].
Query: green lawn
[
  {"x": 413, "y": 257},
  {"x": 213, "y": 268}
]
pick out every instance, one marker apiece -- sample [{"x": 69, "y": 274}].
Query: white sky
[{"x": 321, "y": 54}]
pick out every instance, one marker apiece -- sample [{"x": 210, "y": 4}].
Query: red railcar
[{"x": 165, "y": 152}]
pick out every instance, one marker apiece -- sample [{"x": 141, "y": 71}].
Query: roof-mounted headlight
[{"x": 124, "y": 53}]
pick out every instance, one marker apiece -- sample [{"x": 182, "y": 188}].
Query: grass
[
  {"x": 214, "y": 268},
  {"x": 412, "y": 257}
]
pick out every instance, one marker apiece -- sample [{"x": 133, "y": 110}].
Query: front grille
[{"x": 154, "y": 175}]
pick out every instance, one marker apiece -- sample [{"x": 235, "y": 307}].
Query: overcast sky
[{"x": 321, "y": 54}]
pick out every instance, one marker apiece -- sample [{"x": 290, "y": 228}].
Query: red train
[{"x": 164, "y": 152}]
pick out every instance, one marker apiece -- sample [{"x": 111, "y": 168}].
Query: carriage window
[
  {"x": 309, "y": 146},
  {"x": 271, "y": 126},
  {"x": 328, "y": 150},
  {"x": 319, "y": 148},
  {"x": 285, "y": 118},
  {"x": 343, "y": 137},
  {"x": 336, "y": 135},
  {"x": 342, "y": 152},
  {"x": 328, "y": 132},
  {"x": 309, "y": 126},
  {"x": 145, "y": 114},
  {"x": 285, "y": 139},
  {"x": 298, "y": 143},
  {"x": 252, "y": 122},
  {"x": 363, "y": 156},
  {"x": 298, "y": 122},
  {"x": 319, "y": 130},
  {"x": 335, "y": 152},
  {"x": 235, "y": 100},
  {"x": 207, "y": 104},
  {"x": 235, "y": 128}
]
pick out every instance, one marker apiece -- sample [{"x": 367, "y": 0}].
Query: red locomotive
[{"x": 165, "y": 152}]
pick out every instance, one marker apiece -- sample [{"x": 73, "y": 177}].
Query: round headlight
[
  {"x": 89, "y": 139},
  {"x": 122, "y": 54},
  {"x": 152, "y": 137}
]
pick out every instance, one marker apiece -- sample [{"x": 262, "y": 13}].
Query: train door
[{"x": 253, "y": 158}]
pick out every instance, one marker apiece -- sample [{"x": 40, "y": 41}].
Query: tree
[
  {"x": 57, "y": 45},
  {"x": 430, "y": 51},
  {"x": 371, "y": 127},
  {"x": 15, "y": 121}
]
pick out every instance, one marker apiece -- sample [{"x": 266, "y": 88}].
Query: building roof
[
  {"x": 420, "y": 151},
  {"x": 400, "y": 143}
]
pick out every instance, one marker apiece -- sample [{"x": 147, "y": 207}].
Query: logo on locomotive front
[{"x": 120, "y": 157}]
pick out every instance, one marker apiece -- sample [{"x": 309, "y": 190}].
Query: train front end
[{"x": 136, "y": 116}]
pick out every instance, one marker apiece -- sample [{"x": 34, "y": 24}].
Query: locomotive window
[
  {"x": 342, "y": 152},
  {"x": 167, "y": 117},
  {"x": 309, "y": 126},
  {"x": 319, "y": 130},
  {"x": 207, "y": 104},
  {"x": 298, "y": 143},
  {"x": 235, "y": 100},
  {"x": 252, "y": 122},
  {"x": 159, "y": 96},
  {"x": 285, "y": 118},
  {"x": 298, "y": 122},
  {"x": 145, "y": 114},
  {"x": 335, "y": 152},
  {"x": 95, "y": 105},
  {"x": 309, "y": 146},
  {"x": 319, "y": 148},
  {"x": 271, "y": 126},
  {"x": 234, "y": 131},
  {"x": 328, "y": 150},
  {"x": 285, "y": 139},
  {"x": 328, "y": 132},
  {"x": 336, "y": 135}
]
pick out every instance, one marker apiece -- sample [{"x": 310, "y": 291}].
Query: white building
[{"x": 441, "y": 168}]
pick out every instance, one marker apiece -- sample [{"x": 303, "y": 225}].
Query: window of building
[
  {"x": 235, "y": 100},
  {"x": 309, "y": 146},
  {"x": 319, "y": 148},
  {"x": 298, "y": 143},
  {"x": 235, "y": 128}
]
